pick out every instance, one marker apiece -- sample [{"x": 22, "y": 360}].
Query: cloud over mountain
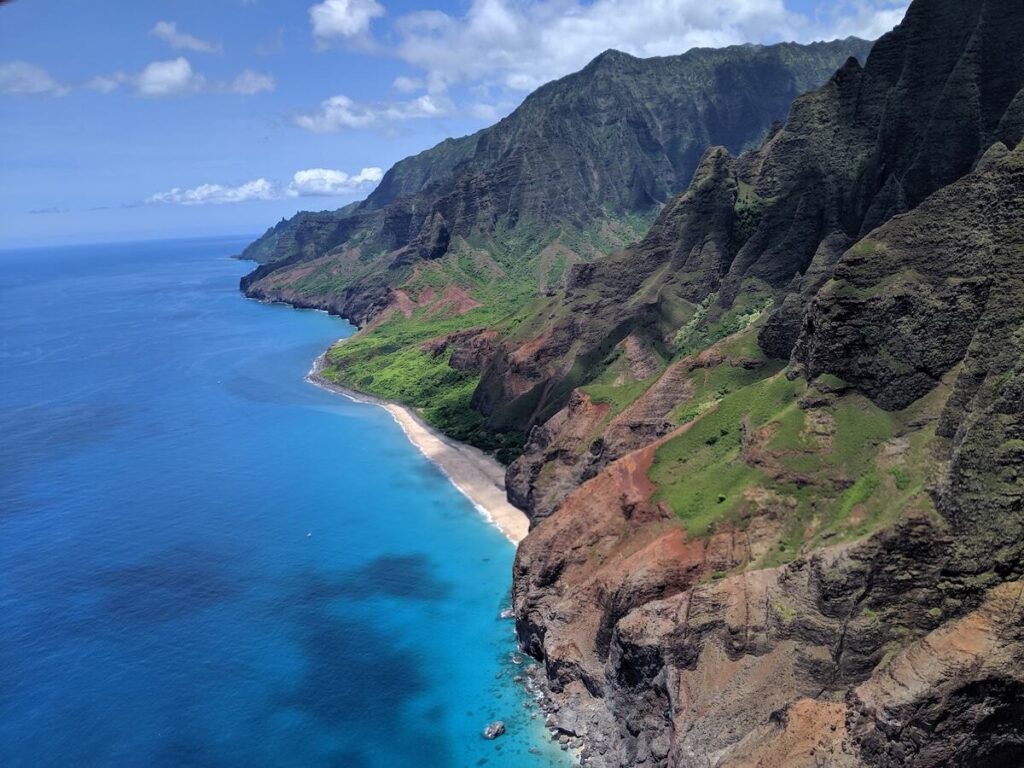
[{"x": 522, "y": 45}]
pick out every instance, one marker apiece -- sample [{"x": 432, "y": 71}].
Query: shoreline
[{"x": 477, "y": 476}]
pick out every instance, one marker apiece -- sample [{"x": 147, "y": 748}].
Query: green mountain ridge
[
  {"x": 584, "y": 162},
  {"x": 775, "y": 464},
  {"x": 468, "y": 234}
]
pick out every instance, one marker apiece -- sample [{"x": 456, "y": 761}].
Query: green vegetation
[
  {"x": 825, "y": 474},
  {"x": 391, "y": 363},
  {"x": 618, "y": 396},
  {"x": 749, "y": 210},
  {"x": 616, "y": 386},
  {"x": 703, "y": 328},
  {"x": 692, "y": 470},
  {"x": 744, "y": 364},
  {"x": 900, "y": 477},
  {"x": 502, "y": 274},
  {"x": 784, "y": 611}
]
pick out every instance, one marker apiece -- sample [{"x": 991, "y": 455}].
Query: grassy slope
[
  {"x": 390, "y": 362},
  {"x": 828, "y": 464},
  {"x": 387, "y": 359},
  {"x": 823, "y": 461}
]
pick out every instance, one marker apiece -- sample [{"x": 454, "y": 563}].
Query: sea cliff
[{"x": 771, "y": 452}]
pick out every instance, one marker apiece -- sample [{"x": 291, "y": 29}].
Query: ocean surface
[{"x": 205, "y": 560}]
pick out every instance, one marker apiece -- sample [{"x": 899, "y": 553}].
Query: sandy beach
[{"x": 478, "y": 477}]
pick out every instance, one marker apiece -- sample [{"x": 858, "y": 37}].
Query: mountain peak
[{"x": 610, "y": 58}]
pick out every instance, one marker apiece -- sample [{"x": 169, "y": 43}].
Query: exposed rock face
[
  {"x": 955, "y": 697},
  {"x": 583, "y": 438},
  {"x": 905, "y": 303},
  {"x": 873, "y": 142},
  {"x": 669, "y": 667},
  {"x": 894, "y": 194},
  {"x": 580, "y": 155}
]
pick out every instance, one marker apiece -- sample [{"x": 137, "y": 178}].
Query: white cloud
[
  {"x": 174, "y": 77},
  {"x": 521, "y": 45},
  {"x": 343, "y": 18},
  {"x": 880, "y": 22},
  {"x": 167, "y": 78},
  {"x": 340, "y": 112},
  {"x": 20, "y": 77},
  {"x": 328, "y": 182},
  {"x": 865, "y": 18},
  {"x": 249, "y": 82},
  {"x": 312, "y": 182},
  {"x": 217, "y": 194},
  {"x": 169, "y": 33}
]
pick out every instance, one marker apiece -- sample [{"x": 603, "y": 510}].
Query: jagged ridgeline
[
  {"x": 754, "y": 238},
  {"x": 779, "y": 505},
  {"x": 468, "y": 233}
]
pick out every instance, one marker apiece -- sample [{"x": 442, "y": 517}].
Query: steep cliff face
[
  {"x": 458, "y": 246},
  {"x": 761, "y": 234},
  {"x": 580, "y": 166},
  {"x": 738, "y": 561},
  {"x": 668, "y": 634}
]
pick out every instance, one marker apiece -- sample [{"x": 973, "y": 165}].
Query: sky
[{"x": 141, "y": 119}]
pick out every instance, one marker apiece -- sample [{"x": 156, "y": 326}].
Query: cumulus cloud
[
  {"x": 168, "y": 32},
  {"x": 312, "y": 182},
  {"x": 167, "y": 78},
  {"x": 522, "y": 45},
  {"x": 340, "y": 112},
  {"x": 345, "y": 19},
  {"x": 176, "y": 76},
  {"x": 328, "y": 182},
  {"x": 20, "y": 77},
  {"x": 217, "y": 194},
  {"x": 519, "y": 46}
]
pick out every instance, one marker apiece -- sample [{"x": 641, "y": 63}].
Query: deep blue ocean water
[{"x": 205, "y": 560}]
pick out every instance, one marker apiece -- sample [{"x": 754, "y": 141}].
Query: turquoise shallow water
[{"x": 205, "y": 560}]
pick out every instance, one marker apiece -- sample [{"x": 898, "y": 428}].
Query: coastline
[{"x": 477, "y": 476}]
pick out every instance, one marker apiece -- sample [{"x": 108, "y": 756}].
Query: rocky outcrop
[
  {"x": 494, "y": 730},
  {"x": 665, "y": 664},
  {"x": 468, "y": 349},
  {"x": 954, "y": 697},
  {"x": 905, "y": 303}
]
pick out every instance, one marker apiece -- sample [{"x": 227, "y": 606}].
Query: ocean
[{"x": 205, "y": 560}]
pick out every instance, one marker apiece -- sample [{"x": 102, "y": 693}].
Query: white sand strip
[{"x": 480, "y": 478}]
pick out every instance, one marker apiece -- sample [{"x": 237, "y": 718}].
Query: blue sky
[{"x": 162, "y": 118}]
